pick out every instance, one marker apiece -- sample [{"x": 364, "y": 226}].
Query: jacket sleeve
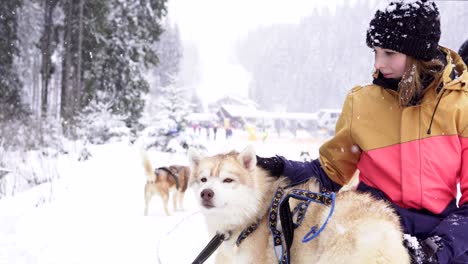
[
  {"x": 454, "y": 228},
  {"x": 338, "y": 157},
  {"x": 298, "y": 171},
  {"x": 453, "y": 232}
]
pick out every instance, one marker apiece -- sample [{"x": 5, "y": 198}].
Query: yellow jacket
[{"x": 392, "y": 148}]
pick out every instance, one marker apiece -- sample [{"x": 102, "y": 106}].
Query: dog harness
[
  {"x": 170, "y": 173},
  {"x": 280, "y": 209}
]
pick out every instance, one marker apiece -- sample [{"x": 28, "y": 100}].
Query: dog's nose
[{"x": 207, "y": 194}]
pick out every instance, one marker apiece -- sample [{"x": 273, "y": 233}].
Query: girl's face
[{"x": 390, "y": 63}]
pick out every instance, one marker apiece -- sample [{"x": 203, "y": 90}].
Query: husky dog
[
  {"x": 164, "y": 180},
  {"x": 305, "y": 156},
  {"x": 233, "y": 193}
]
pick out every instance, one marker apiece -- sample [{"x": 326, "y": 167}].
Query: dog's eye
[
  {"x": 203, "y": 179},
  {"x": 228, "y": 180}
]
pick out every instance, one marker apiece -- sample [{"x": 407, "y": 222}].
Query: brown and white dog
[
  {"x": 234, "y": 193},
  {"x": 163, "y": 181}
]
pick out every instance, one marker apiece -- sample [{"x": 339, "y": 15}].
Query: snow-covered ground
[{"x": 93, "y": 212}]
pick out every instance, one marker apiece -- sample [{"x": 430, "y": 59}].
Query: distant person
[
  {"x": 464, "y": 52},
  {"x": 227, "y": 128},
  {"x": 194, "y": 127},
  {"x": 293, "y": 128},
  {"x": 228, "y": 132},
  {"x": 208, "y": 130},
  {"x": 278, "y": 126},
  {"x": 215, "y": 130},
  {"x": 264, "y": 135},
  {"x": 407, "y": 132}
]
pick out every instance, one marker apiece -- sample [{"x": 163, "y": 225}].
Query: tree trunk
[
  {"x": 65, "y": 103},
  {"x": 78, "y": 76},
  {"x": 36, "y": 93},
  {"x": 46, "y": 51}
]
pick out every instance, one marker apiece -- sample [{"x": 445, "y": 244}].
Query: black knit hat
[
  {"x": 464, "y": 52},
  {"x": 411, "y": 27}
]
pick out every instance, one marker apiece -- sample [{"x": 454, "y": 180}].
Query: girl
[{"x": 407, "y": 133}]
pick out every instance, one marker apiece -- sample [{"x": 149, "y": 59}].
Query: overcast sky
[{"x": 213, "y": 26}]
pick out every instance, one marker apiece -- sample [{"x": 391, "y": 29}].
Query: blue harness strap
[
  {"x": 327, "y": 199},
  {"x": 280, "y": 209}
]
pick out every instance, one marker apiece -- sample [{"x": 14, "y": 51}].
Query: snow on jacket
[{"x": 396, "y": 154}]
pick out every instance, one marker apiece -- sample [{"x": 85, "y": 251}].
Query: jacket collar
[{"x": 454, "y": 63}]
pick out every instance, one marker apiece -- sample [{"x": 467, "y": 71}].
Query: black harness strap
[
  {"x": 219, "y": 238},
  {"x": 287, "y": 225},
  {"x": 210, "y": 248},
  {"x": 172, "y": 174}
]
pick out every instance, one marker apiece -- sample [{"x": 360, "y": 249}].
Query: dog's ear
[
  {"x": 194, "y": 157},
  {"x": 247, "y": 158}
]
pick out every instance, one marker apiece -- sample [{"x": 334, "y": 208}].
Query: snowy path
[{"x": 94, "y": 213}]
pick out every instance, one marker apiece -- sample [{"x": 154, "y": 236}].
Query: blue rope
[{"x": 313, "y": 233}]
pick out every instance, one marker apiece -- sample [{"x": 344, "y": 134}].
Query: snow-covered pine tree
[
  {"x": 128, "y": 34},
  {"x": 95, "y": 49},
  {"x": 98, "y": 124},
  {"x": 166, "y": 117},
  {"x": 174, "y": 103},
  {"x": 169, "y": 51}
]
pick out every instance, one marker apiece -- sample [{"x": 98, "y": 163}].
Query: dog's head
[
  {"x": 305, "y": 156},
  {"x": 226, "y": 185}
]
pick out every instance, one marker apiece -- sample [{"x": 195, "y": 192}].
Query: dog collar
[{"x": 246, "y": 232}]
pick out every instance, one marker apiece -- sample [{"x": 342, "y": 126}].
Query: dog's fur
[
  {"x": 233, "y": 193},
  {"x": 160, "y": 182}
]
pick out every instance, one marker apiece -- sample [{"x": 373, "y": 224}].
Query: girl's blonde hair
[{"x": 417, "y": 74}]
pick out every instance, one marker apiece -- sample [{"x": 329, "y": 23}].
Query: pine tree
[
  {"x": 175, "y": 104},
  {"x": 166, "y": 116},
  {"x": 95, "y": 44},
  {"x": 98, "y": 124},
  {"x": 129, "y": 33},
  {"x": 169, "y": 50},
  {"x": 11, "y": 105}
]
